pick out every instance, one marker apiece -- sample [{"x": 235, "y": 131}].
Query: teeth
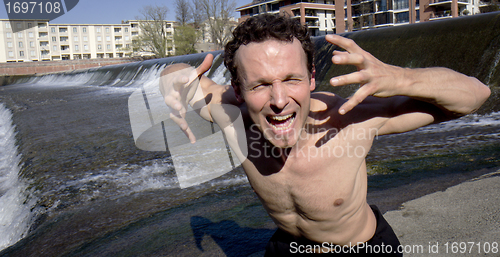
[{"x": 281, "y": 118}]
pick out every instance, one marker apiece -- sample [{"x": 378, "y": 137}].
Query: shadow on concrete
[{"x": 231, "y": 238}]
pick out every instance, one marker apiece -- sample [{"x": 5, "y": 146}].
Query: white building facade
[{"x": 38, "y": 40}]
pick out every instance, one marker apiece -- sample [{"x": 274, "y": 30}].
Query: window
[
  {"x": 85, "y": 47},
  {"x": 84, "y": 29},
  {"x": 32, "y": 43},
  {"x": 127, "y": 38},
  {"x": 99, "y": 39},
  {"x": 75, "y": 30},
  {"x": 53, "y": 30},
  {"x": 107, "y": 30},
  {"x": 9, "y": 35},
  {"x": 30, "y": 34},
  {"x": 30, "y": 25},
  {"x": 19, "y": 35},
  {"x": 20, "y": 44},
  {"x": 11, "y": 54},
  {"x": 9, "y": 44},
  {"x": 85, "y": 39},
  {"x": 400, "y": 4},
  {"x": 126, "y": 29},
  {"x": 99, "y": 47},
  {"x": 118, "y": 30},
  {"x": 108, "y": 38},
  {"x": 402, "y": 17},
  {"x": 54, "y": 39},
  {"x": 7, "y": 25},
  {"x": 98, "y": 30},
  {"x": 19, "y": 25},
  {"x": 77, "y": 48},
  {"x": 54, "y": 47},
  {"x": 108, "y": 46},
  {"x": 33, "y": 53},
  {"x": 21, "y": 53},
  {"x": 63, "y": 30},
  {"x": 75, "y": 38}
]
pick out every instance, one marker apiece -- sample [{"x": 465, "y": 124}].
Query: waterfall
[{"x": 15, "y": 203}]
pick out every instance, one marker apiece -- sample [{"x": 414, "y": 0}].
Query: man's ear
[
  {"x": 312, "y": 86},
  {"x": 237, "y": 93}
]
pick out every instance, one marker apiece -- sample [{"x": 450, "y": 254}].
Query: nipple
[{"x": 338, "y": 202}]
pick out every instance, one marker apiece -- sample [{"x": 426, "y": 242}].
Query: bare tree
[
  {"x": 218, "y": 14},
  {"x": 183, "y": 11},
  {"x": 199, "y": 14},
  {"x": 154, "y": 31}
]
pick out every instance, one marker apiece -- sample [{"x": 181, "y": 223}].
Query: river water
[{"x": 73, "y": 182}]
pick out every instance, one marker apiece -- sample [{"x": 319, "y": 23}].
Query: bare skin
[{"x": 306, "y": 151}]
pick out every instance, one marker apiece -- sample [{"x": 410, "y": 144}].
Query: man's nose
[{"x": 279, "y": 96}]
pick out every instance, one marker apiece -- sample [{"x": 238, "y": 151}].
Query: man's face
[{"x": 276, "y": 86}]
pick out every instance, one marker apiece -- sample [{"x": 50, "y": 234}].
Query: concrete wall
[{"x": 25, "y": 68}]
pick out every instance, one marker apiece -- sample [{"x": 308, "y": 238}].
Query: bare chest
[{"x": 319, "y": 176}]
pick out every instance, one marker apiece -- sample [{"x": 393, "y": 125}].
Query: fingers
[
  {"x": 344, "y": 58},
  {"x": 205, "y": 65},
  {"x": 179, "y": 118},
  {"x": 358, "y": 77},
  {"x": 345, "y": 43},
  {"x": 356, "y": 99}
]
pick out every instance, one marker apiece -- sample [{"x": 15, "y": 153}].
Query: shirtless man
[{"x": 306, "y": 151}]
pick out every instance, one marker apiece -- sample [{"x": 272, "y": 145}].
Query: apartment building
[
  {"x": 38, "y": 40},
  {"x": 325, "y": 16}
]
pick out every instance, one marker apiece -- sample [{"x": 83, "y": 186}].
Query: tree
[
  {"x": 185, "y": 40},
  {"x": 154, "y": 31},
  {"x": 183, "y": 11},
  {"x": 218, "y": 14},
  {"x": 489, "y": 6},
  {"x": 199, "y": 16}
]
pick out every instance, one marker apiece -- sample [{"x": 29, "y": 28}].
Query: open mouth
[{"x": 281, "y": 122}]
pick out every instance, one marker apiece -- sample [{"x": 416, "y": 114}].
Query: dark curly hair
[{"x": 261, "y": 28}]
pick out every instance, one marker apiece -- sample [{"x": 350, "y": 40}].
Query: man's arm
[
  {"x": 182, "y": 85},
  {"x": 453, "y": 94}
]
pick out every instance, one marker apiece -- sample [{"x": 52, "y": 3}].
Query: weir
[
  {"x": 468, "y": 44},
  {"x": 74, "y": 156}
]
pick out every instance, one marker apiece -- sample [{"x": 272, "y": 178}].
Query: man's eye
[
  {"x": 260, "y": 86},
  {"x": 292, "y": 81}
]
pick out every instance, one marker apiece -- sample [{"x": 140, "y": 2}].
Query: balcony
[
  {"x": 441, "y": 15},
  {"x": 447, "y": 3}
]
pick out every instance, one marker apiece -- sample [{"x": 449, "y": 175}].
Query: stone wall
[{"x": 28, "y": 68}]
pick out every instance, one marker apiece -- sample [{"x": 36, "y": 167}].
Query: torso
[{"x": 319, "y": 190}]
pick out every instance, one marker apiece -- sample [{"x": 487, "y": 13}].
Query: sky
[{"x": 111, "y": 11}]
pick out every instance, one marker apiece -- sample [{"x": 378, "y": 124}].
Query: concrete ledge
[
  {"x": 44, "y": 67},
  {"x": 439, "y": 222}
]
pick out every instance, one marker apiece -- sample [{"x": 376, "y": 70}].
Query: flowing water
[{"x": 73, "y": 183}]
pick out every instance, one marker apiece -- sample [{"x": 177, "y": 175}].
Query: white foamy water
[
  {"x": 15, "y": 204},
  {"x": 472, "y": 120}
]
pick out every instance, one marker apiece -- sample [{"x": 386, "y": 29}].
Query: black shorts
[{"x": 384, "y": 240}]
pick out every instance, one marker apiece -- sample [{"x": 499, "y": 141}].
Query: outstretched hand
[
  {"x": 178, "y": 85},
  {"x": 375, "y": 77}
]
